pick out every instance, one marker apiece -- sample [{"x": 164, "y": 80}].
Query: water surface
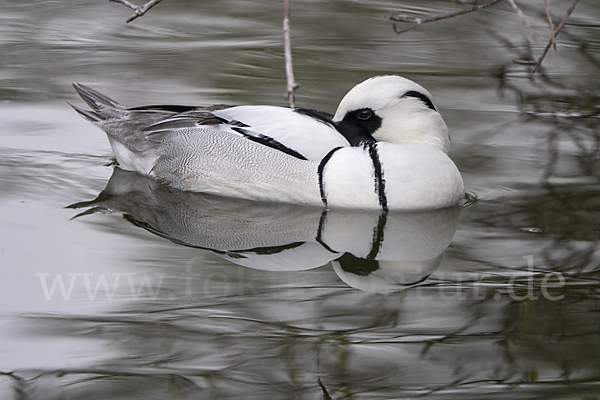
[{"x": 190, "y": 296}]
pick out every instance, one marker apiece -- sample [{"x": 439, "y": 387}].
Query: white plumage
[
  {"x": 384, "y": 148},
  {"x": 405, "y": 118},
  {"x": 371, "y": 250},
  {"x": 312, "y": 139}
]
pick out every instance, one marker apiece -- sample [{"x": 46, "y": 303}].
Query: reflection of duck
[
  {"x": 385, "y": 148},
  {"x": 373, "y": 251}
]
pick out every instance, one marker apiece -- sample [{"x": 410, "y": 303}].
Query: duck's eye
[{"x": 365, "y": 115}]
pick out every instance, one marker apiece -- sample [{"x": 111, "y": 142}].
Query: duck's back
[
  {"x": 303, "y": 131},
  {"x": 221, "y": 162}
]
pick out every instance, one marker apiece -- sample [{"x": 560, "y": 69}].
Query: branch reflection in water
[{"x": 370, "y": 251}]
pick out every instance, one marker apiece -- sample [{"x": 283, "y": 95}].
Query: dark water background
[{"x": 511, "y": 310}]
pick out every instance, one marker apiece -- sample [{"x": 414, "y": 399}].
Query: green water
[{"x": 497, "y": 300}]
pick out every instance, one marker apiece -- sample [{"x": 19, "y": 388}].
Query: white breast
[
  {"x": 419, "y": 176},
  {"x": 391, "y": 176},
  {"x": 348, "y": 179}
]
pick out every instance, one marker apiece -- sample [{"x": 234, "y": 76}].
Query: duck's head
[{"x": 391, "y": 109}]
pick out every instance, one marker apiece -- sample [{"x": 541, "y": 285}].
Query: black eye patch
[
  {"x": 357, "y": 126},
  {"x": 420, "y": 96}
]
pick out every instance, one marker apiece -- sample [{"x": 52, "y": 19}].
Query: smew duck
[{"x": 385, "y": 148}]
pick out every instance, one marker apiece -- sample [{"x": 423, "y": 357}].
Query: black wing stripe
[
  {"x": 320, "y": 116},
  {"x": 320, "y": 171},
  {"x": 178, "y": 109},
  {"x": 237, "y": 123},
  {"x": 268, "y": 141},
  {"x": 265, "y": 251},
  {"x": 169, "y": 108}
]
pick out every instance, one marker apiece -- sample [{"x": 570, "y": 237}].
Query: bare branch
[
  {"x": 287, "y": 46},
  {"x": 419, "y": 21},
  {"x": 550, "y": 24},
  {"x": 139, "y": 10},
  {"x": 562, "y": 23},
  {"x": 516, "y": 8},
  {"x": 536, "y": 64}
]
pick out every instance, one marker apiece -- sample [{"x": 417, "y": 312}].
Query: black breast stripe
[
  {"x": 320, "y": 170},
  {"x": 379, "y": 180},
  {"x": 357, "y": 266},
  {"x": 320, "y": 233},
  {"x": 268, "y": 141},
  {"x": 378, "y": 236}
]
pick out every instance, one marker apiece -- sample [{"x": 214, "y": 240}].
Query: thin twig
[
  {"x": 536, "y": 63},
  {"x": 523, "y": 18},
  {"x": 561, "y": 25},
  {"x": 287, "y": 46},
  {"x": 139, "y": 10},
  {"x": 550, "y": 24},
  {"x": 419, "y": 21},
  {"x": 326, "y": 395}
]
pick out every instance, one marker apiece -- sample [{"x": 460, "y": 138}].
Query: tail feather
[
  {"x": 125, "y": 128},
  {"x": 89, "y": 115},
  {"x": 95, "y": 99}
]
